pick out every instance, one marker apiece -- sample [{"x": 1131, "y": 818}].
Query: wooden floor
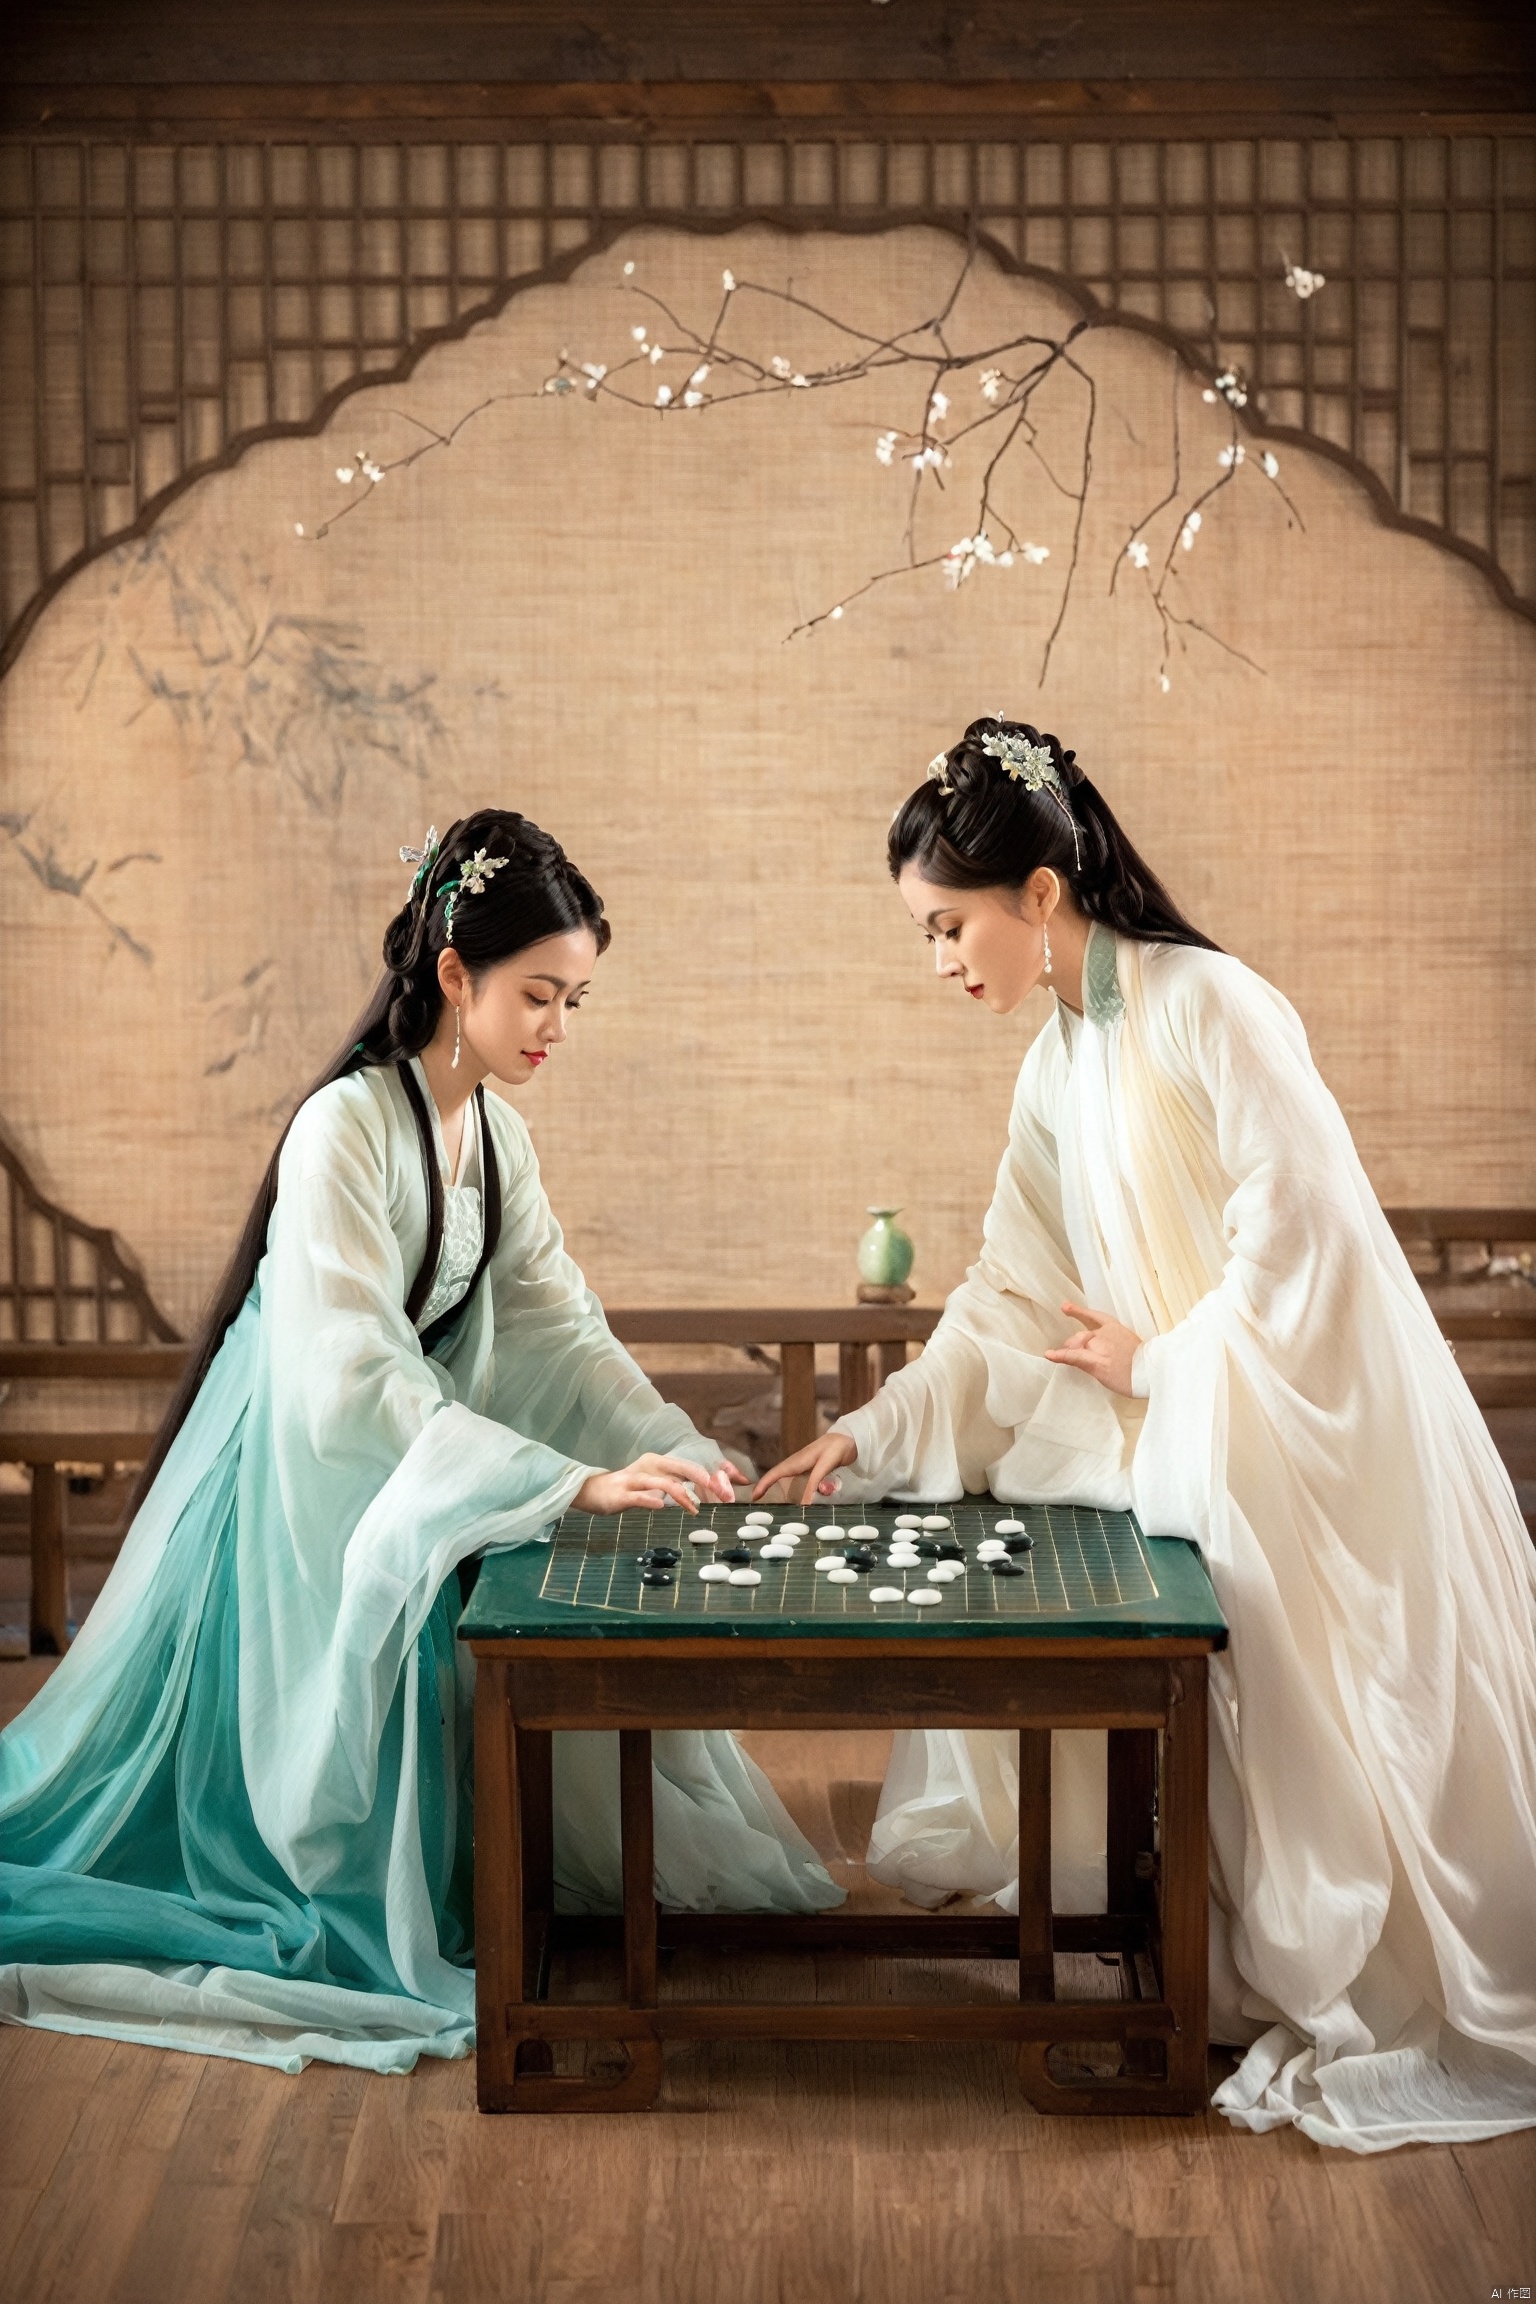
[{"x": 766, "y": 2176}]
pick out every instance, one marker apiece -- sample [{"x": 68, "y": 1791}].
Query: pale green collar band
[{"x": 1103, "y": 1000}]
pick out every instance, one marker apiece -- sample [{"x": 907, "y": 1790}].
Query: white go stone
[
  {"x": 745, "y": 1576},
  {"x": 935, "y": 1520},
  {"x": 829, "y": 1533},
  {"x": 884, "y": 1592},
  {"x": 842, "y": 1575},
  {"x": 1008, "y": 1527},
  {"x": 923, "y": 1598},
  {"x": 908, "y": 1520},
  {"x": 777, "y": 1552},
  {"x": 946, "y": 1572},
  {"x": 862, "y": 1535},
  {"x": 902, "y": 1560},
  {"x": 828, "y": 1562},
  {"x": 714, "y": 1572},
  {"x": 793, "y": 1528},
  {"x": 703, "y": 1536},
  {"x": 757, "y": 1520}
]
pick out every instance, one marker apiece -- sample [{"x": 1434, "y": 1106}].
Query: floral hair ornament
[
  {"x": 471, "y": 881},
  {"x": 938, "y": 773},
  {"x": 423, "y": 858},
  {"x": 1034, "y": 766}
]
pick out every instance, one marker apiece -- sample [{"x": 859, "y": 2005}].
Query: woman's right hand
[
  {"x": 816, "y": 1463},
  {"x": 650, "y": 1480}
]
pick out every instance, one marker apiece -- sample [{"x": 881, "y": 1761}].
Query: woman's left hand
[{"x": 1102, "y": 1348}]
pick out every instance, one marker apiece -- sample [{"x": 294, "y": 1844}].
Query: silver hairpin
[
  {"x": 1034, "y": 766},
  {"x": 423, "y": 858}
]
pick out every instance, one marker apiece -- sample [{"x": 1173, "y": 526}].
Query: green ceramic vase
[{"x": 885, "y": 1252}]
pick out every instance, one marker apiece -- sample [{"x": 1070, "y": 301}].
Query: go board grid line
[{"x": 1083, "y": 1561}]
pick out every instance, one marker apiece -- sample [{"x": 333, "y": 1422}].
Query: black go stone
[
  {"x": 859, "y": 1556},
  {"x": 656, "y": 1576},
  {"x": 1019, "y": 1543},
  {"x": 950, "y": 1551},
  {"x": 737, "y": 1555},
  {"x": 1005, "y": 1568},
  {"x": 927, "y": 1549},
  {"x": 663, "y": 1556}
]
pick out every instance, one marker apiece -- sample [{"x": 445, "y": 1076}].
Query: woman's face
[
  {"x": 520, "y": 1009},
  {"x": 991, "y": 939}
]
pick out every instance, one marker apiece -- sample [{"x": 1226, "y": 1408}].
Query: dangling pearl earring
[
  {"x": 458, "y": 1028},
  {"x": 1045, "y": 933}
]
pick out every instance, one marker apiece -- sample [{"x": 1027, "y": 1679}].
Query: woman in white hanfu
[
  {"x": 1188, "y": 1302},
  {"x": 237, "y": 1818}
]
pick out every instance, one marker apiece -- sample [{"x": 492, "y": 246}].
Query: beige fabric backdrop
[{"x": 215, "y": 742}]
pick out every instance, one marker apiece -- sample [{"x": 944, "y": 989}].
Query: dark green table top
[{"x": 1086, "y": 1573}]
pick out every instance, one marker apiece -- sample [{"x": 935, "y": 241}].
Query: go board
[{"x": 1029, "y": 1569}]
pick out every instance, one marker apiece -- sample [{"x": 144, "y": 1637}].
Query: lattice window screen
[{"x": 158, "y": 304}]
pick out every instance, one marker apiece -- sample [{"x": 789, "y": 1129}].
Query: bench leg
[{"x": 50, "y": 1592}]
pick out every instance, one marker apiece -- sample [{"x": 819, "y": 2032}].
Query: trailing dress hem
[
  {"x": 1175, "y": 1159},
  {"x": 237, "y": 1818}
]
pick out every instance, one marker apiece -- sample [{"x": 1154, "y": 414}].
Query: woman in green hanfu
[{"x": 236, "y": 1819}]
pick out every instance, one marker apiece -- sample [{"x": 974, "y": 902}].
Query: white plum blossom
[
  {"x": 657, "y": 354},
  {"x": 700, "y": 373},
  {"x": 1303, "y": 283},
  {"x": 938, "y": 407},
  {"x": 1036, "y": 554},
  {"x": 961, "y": 558},
  {"x": 594, "y": 371},
  {"x": 663, "y": 395},
  {"x": 692, "y": 399},
  {"x": 629, "y": 268},
  {"x": 728, "y": 282},
  {"x": 991, "y": 383},
  {"x": 1137, "y": 553},
  {"x": 803, "y": 382},
  {"x": 298, "y": 527},
  {"x": 928, "y": 459},
  {"x": 1271, "y": 464},
  {"x": 1190, "y": 531},
  {"x": 1164, "y": 682},
  {"x": 837, "y": 613},
  {"x": 1232, "y": 456},
  {"x": 885, "y": 448},
  {"x": 639, "y": 335},
  {"x": 344, "y": 473},
  {"x": 779, "y": 365}
]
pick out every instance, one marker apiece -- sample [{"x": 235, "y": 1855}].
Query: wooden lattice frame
[
  {"x": 163, "y": 305},
  {"x": 63, "y": 1281}
]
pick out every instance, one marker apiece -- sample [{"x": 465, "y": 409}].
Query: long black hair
[
  {"x": 992, "y": 829},
  {"x": 536, "y": 891}
]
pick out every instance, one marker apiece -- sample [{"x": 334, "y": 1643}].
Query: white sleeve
[{"x": 982, "y": 1407}]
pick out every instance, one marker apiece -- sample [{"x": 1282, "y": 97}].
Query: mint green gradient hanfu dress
[{"x": 237, "y": 1818}]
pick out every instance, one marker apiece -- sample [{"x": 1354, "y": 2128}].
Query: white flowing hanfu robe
[
  {"x": 1174, "y": 1159},
  {"x": 236, "y": 1818}
]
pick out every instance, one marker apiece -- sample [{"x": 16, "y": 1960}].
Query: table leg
[
  {"x": 536, "y": 1790},
  {"x": 1184, "y": 1883},
  {"x": 638, "y": 1825},
  {"x": 1037, "y": 1968},
  {"x": 892, "y": 1357},
  {"x": 1132, "y": 1798},
  {"x": 50, "y": 1603},
  {"x": 498, "y": 1884}
]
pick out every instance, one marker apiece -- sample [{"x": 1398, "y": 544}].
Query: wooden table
[{"x": 1108, "y": 1629}]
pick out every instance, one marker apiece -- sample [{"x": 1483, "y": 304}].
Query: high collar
[{"x": 1103, "y": 1000}]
